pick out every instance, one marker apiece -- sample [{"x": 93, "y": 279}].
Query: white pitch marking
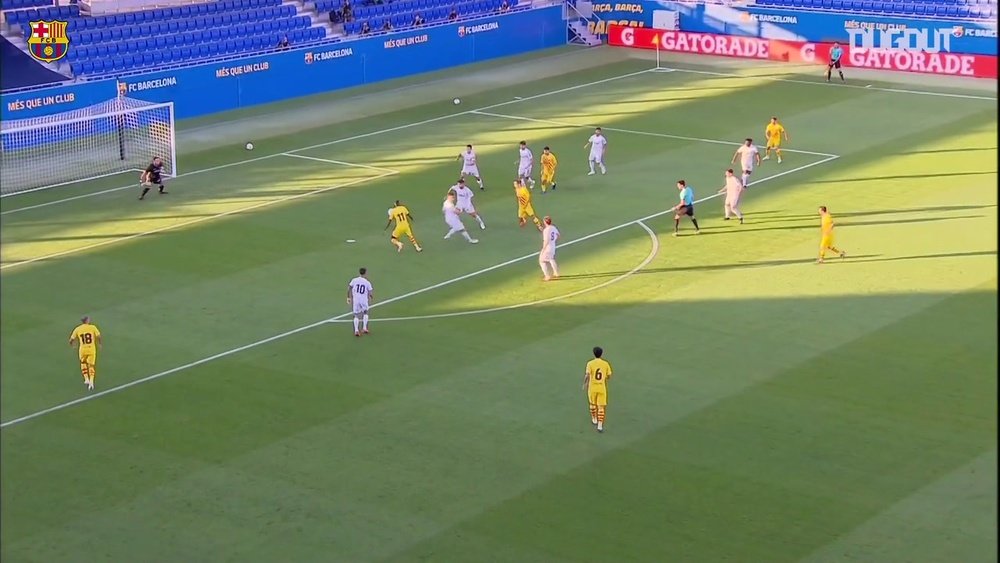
[
  {"x": 338, "y": 141},
  {"x": 841, "y": 85},
  {"x": 227, "y": 353},
  {"x": 340, "y": 162},
  {"x": 195, "y": 221},
  {"x": 633, "y": 132},
  {"x": 652, "y": 254}
]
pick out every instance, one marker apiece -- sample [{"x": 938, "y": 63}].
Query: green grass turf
[{"x": 765, "y": 409}]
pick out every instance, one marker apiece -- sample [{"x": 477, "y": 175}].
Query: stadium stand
[
  {"x": 401, "y": 13},
  {"x": 20, "y": 70},
  {"x": 194, "y": 33},
  {"x": 941, "y": 9}
]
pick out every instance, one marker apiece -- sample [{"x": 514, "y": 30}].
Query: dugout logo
[{"x": 49, "y": 41}]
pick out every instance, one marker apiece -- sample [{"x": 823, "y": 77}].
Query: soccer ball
[
  {"x": 249, "y": 146},
  {"x": 456, "y": 101}
]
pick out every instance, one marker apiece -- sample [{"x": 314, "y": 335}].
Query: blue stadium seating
[
  {"x": 400, "y": 13},
  {"x": 174, "y": 35},
  {"x": 21, "y": 4},
  {"x": 946, "y": 9}
]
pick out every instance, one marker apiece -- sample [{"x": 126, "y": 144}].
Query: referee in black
[{"x": 152, "y": 175}]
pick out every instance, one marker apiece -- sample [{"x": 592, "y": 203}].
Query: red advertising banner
[{"x": 952, "y": 64}]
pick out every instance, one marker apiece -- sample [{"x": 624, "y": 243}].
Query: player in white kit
[
  {"x": 598, "y": 144},
  {"x": 525, "y": 164},
  {"x": 749, "y": 157},
  {"x": 463, "y": 201},
  {"x": 733, "y": 190},
  {"x": 452, "y": 219},
  {"x": 359, "y": 297},
  {"x": 470, "y": 165},
  {"x": 547, "y": 257}
]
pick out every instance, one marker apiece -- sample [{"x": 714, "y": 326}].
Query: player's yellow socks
[
  {"x": 600, "y": 414},
  {"x": 415, "y": 244},
  {"x": 537, "y": 222},
  {"x": 593, "y": 412},
  {"x": 85, "y": 370}
]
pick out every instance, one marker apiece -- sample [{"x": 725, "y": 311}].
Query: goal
[{"x": 105, "y": 139}]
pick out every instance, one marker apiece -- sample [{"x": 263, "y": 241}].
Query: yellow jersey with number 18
[{"x": 86, "y": 335}]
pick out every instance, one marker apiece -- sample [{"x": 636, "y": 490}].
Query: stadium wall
[
  {"x": 229, "y": 85},
  {"x": 967, "y": 37}
]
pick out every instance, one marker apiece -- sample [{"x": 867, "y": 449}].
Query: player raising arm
[
  {"x": 836, "y": 53},
  {"x": 773, "y": 133},
  {"x": 463, "y": 201},
  {"x": 549, "y": 164},
  {"x": 360, "y": 296},
  {"x": 525, "y": 163},
  {"x": 153, "y": 174},
  {"x": 470, "y": 165},
  {"x": 547, "y": 256},
  {"x": 598, "y": 145},
  {"x": 524, "y": 208},
  {"x": 749, "y": 157},
  {"x": 826, "y": 231},
  {"x": 87, "y": 339},
  {"x": 595, "y": 383},
  {"x": 401, "y": 215}
]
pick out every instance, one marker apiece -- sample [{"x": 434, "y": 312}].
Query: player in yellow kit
[
  {"x": 401, "y": 215},
  {"x": 524, "y": 208},
  {"x": 549, "y": 164},
  {"x": 774, "y": 133},
  {"x": 595, "y": 382},
  {"x": 826, "y": 242},
  {"x": 87, "y": 338}
]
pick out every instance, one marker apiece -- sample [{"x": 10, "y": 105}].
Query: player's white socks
[
  {"x": 555, "y": 268},
  {"x": 355, "y": 325},
  {"x": 746, "y": 180},
  {"x": 591, "y": 166},
  {"x": 465, "y": 235},
  {"x": 480, "y": 180},
  {"x": 364, "y": 320},
  {"x": 450, "y": 232},
  {"x": 604, "y": 169},
  {"x": 481, "y": 224}
]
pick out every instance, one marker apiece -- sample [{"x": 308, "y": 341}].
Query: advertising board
[
  {"x": 968, "y": 37},
  {"x": 951, "y": 64}
]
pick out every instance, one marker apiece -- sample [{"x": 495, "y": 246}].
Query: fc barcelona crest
[{"x": 49, "y": 41}]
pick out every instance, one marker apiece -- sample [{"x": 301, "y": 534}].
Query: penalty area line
[
  {"x": 649, "y": 258},
  {"x": 310, "y": 326},
  {"x": 634, "y": 132},
  {"x": 333, "y": 142}
]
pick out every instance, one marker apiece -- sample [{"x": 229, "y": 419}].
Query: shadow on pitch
[
  {"x": 773, "y": 216},
  {"x": 861, "y": 258},
  {"x": 749, "y": 227},
  {"x": 961, "y": 150},
  {"x": 905, "y": 176}
]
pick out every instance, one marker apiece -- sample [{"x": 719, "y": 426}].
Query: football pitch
[{"x": 764, "y": 408}]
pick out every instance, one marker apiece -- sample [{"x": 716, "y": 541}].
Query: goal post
[{"x": 109, "y": 138}]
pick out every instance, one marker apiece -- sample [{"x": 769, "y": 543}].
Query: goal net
[{"x": 105, "y": 139}]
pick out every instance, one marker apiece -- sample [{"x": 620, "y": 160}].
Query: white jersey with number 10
[{"x": 361, "y": 289}]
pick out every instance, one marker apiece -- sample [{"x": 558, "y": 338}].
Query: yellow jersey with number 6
[{"x": 598, "y": 373}]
